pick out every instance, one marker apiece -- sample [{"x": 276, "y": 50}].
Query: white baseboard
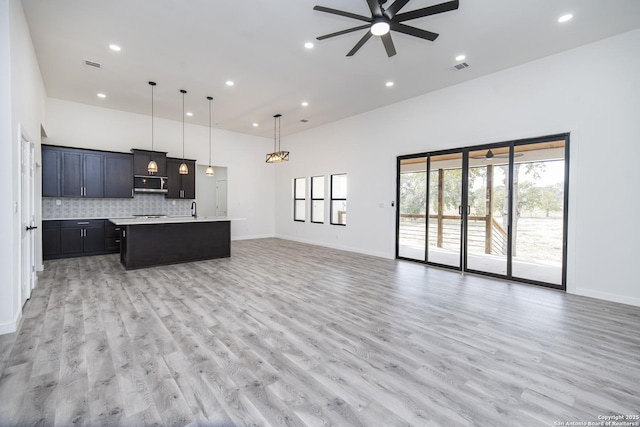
[
  {"x": 257, "y": 236},
  {"x": 11, "y": 327},
  {"x": 606, "y": 296},
  {"x": 338, "y": 247}
]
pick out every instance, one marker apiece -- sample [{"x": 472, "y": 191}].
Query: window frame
[
  {"x": 323, "y": 198},
  {"x": 296, "y": 199},
  {"x": 335, "y": 199}
]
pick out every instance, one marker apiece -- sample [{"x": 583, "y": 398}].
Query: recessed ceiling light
[
  {"x": 460, "y": 58},
  {"x": 389, "y": 84},
  {"x": 102, "y": 95},
  {"x": 565, "y": 18},
  {"x": 230, "y": 83},
  {"x": 308, "y": 45},
  {"x": 255, "y": 125},
  {"x": 115, "y": 47},
  {"x": 189, "y": 113},
  {"x": 304, "y": 104}
]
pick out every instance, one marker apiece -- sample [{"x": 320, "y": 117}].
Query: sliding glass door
[
  {"x": 488, "y": 214},
  {"x": 445, "y": 209},
  {"x": 499, "y": 209},
  {"x": 538, "y": 225}
]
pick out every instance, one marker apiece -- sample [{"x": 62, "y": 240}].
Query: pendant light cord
[
  {"x": 183, "y": 92},
  {"x": 152, "y": 117},
  {"x": 209, "y": 98}
]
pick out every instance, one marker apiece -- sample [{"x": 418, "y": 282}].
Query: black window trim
[
  {"x": 332, "y": 199},
  {"x": 296, "y": 199}
]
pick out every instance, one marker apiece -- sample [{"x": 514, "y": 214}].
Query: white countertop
[{"x": 170, "y": 220}]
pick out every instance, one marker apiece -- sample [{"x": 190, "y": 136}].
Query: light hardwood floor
[{"x": 284, "y": 333}]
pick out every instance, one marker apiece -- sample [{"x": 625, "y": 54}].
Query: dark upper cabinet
[
  {"x": 118, "y": 175},
  {"x": 74, "y": 172},
  {"x": 51, "y": 163},
  {"x": 180, "y": 186},
  {"x": 141, "y": 159},
  {"x": 82, "y": 173}
]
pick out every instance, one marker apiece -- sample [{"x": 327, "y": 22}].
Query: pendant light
[
  {"x": 278, "y": 155},
  {"x": 183, "y": 169},
  {"x": 152, "y": 167},
  {"x": 209, "y": 171}
]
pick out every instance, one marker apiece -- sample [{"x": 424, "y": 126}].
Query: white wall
[
  {"x": 250, "y": 180},
  {"x": 593, "y": 92},
  {"x": 21, "y": 111}
]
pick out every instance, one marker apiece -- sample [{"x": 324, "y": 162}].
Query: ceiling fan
[
  {"x": 490, "y": 155},
  {"x": 383, "y": 20}
]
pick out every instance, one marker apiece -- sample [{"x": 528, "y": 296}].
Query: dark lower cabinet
[
  {"x": 51, "y": 239},
  {"x": 112, "y": 237},
  {"x": 72, "y": 238}
]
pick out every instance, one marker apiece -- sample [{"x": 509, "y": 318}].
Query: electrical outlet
[{"x": 58, "y": 202}]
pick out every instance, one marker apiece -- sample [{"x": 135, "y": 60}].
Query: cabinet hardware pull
[
  {"x": 83, "y": 223},
  {"x": 117, "y": 241}
]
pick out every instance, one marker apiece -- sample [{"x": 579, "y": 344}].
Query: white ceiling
[{"x": 197, "y": 45}]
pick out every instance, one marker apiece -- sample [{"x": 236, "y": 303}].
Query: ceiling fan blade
[
  {"x": 342, "y": 13},
  {"x": 388, "y": 45},
  {"x": 339, "y": 33},
  {"x": 428, "y": 11},
  {"x": 395, "y": 8},
  {"x": 412, "y": 31},
  {"x": 358, "y": 45},
  {"x": 374, "y": 7}
]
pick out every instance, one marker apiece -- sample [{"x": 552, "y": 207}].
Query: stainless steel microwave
[{"x": 149, "y": 184}]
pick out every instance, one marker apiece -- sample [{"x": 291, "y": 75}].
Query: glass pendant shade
[
  {"x": 183, "y": 169},
  {"x": 209, "y": 171},
  {"x": 152, "y": 167}
]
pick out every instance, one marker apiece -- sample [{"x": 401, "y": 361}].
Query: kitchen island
[{"x": 147, "y": 242}]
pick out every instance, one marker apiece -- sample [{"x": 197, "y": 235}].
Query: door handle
[
  {"x": 31, "y": 227},
  {"x": 468, "y": 210}
]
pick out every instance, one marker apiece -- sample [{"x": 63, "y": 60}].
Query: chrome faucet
[{"x": 194, "y": 209}]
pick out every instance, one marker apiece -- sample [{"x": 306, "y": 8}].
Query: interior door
[{"x": 28, "y": 259}]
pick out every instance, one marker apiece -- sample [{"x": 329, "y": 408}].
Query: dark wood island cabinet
[{"x": 159, "y": 241}]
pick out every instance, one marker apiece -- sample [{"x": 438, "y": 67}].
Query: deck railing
[{"x": 484, "y": 234}]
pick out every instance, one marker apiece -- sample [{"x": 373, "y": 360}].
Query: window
[
  {"x": 299, "y": 199},
  {"x": 317, "y": 199},
  {"x": 339, "y": 199}
]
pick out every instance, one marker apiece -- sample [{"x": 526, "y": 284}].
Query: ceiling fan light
[
  {"x": 209, "y": 171},
  {"x": 380, "y": 27},
  {"x": 183, "y": 169},
  {"x": 152, "y": 167}
]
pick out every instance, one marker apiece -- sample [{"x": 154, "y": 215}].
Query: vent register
[
  {"x": 460, "y": 66},
  {"x": 93, "y": 64}
]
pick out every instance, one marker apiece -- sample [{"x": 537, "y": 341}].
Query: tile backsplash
[{"x": 141, "y": 204}]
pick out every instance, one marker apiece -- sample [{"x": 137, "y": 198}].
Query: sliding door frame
[{"x": 465, "y": 203}]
